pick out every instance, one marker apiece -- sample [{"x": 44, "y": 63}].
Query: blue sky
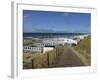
[{"x": 47, "y": 21}]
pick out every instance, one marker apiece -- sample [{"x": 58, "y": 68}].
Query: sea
[{"x": 51, "y": 35}]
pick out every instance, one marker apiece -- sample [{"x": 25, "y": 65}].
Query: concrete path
[{"x": 67, "y": 59}]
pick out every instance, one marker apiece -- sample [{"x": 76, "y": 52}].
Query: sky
[{"x": 47, "y": 21}]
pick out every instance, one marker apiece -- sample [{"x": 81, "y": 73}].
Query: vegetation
[
  {"x": 84, "y": 48},
  {"x": 35, "y": 60},
  {"x": 30, "y": 41},
  {"x": 40, "y": 60},
  {"x": 27, "y": 42}
]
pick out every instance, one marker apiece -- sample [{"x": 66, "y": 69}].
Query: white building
[
  {"x": 58, "y": 41},
  {"x": 46, "y": 49},
  {"x": 71, "y": 41},
  {"x": 81, "y": 36}
]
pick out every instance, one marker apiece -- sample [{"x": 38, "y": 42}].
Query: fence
[
  {"x": 35, "y": 49},
  {"x": 43, "y": 60}
]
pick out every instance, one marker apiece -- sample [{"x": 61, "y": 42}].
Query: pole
[
  {"x": 32, "y": 63},
  {"x": 48, "y": 59}
]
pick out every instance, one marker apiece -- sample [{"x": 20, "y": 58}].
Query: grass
[
  {"x": 40, "y": 60},
  {"x": 84, "y": 48},
  {"x": 30, "y": 42}
]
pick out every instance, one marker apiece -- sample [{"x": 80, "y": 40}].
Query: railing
[{"x": 35, "y": 49}]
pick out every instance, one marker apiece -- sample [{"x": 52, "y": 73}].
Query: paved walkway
[{"x": 67, "y": 59}]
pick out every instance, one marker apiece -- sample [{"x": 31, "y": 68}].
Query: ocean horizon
[{"x": 51, "y": 35}]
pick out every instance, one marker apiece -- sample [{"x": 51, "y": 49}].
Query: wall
[{"x": 5, "y": 39}]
